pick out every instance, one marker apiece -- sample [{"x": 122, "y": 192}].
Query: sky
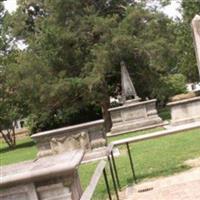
[
  {"x": 170, "y": 10},
  {"x": 10, "y": 5}
]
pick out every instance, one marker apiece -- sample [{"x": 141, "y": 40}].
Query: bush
[
  {"x": 51, "y": 120},
  {"x": 169, "y": 86}
]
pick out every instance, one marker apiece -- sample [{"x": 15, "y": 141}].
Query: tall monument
[
  {"x": 134, "y": 114},
  {"x": 128, "y": 89},
  {"x": 196, "y": 34},
  {"x": 185, "y": 110}
]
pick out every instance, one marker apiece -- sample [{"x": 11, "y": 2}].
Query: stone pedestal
[
  {"x": 49, "y": 178},
  {"x": 88, "y": 136},
  {"x": 134, "y": 116},
  {"x": 185, "y": 111}
]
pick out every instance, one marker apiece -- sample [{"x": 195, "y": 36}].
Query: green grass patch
[
  {"x": 156, "y": 157},
  {"x": 164, "y": 113},
  {"x": 25, "y": 150},
  {"x": 132, "y": 134}
]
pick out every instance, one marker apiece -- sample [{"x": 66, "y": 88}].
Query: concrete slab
[{"x": 182, "y": 186}]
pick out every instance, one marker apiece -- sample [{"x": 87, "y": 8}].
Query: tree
[
  {"x": 62, "y": 49},
  {"x": 186, "y": 56},
  {"x": 10, "y": 105},
  {"x": 75, "y": 49}
]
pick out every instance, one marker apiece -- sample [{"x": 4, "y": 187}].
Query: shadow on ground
[
  {"x": 157, "y": 174},
  {"x": 18, "y": 146}
]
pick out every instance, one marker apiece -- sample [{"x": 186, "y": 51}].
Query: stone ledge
[
  {"x": 139, "y": 125},
  {"x": 162, "y": 124},
  {"x": 68, "y": 128},
  {"x": 43, "y": 168},
  {"x": 132, "y": 104},
  {"x": 184, "y": 101}
]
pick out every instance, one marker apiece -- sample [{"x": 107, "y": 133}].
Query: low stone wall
[
  {"x": 134, "y": 116},
  {"x": 185, "y": 111},
  {"x": 88, "y": 136},
  {"x": 20, "y": 133},
  {"x": 52, "y": 177}
]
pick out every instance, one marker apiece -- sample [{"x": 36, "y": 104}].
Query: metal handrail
[
  {"x": 140, "y": 138},
  {"x": 87, "y": 195},
  {"x": 101, "y": 169},
  {"x": 154, "y": 135}
]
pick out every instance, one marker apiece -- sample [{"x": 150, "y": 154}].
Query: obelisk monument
[
  {"x": 196, "y": 34},
  {"x": 134, "y": 114},
  {"x": 128, "y": 89}
]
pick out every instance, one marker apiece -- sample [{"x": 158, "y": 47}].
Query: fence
[
  {"x": 101, "y": 170},
  {"x": 87, "y": 195}
]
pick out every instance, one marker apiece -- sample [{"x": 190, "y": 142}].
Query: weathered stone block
[
  {"x": 185, "y": 111},
  {"x": 49, "y": 178},
  {"x": 22, "y": 192}
]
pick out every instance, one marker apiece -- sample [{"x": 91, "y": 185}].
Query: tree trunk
[
  {"x": 9, "y": 137},
  {"x": 105, "y": 105}
]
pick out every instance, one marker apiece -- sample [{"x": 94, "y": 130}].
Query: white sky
[
  {"x": 10, "y": 5},
  {"x": 170, "y": 10}
]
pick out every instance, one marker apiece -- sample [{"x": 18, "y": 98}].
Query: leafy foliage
[
  {"x": 10, "y": 102},
  {"x": 186, "y": 55},
  {"x": 74, "y": 52}
]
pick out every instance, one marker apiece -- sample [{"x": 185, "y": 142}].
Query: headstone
[{"x": 196, "y": 34}]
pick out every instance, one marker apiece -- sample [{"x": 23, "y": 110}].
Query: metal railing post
[
  {"x": 115, "y": 170},
  {"x": 107, "y": 184},
  {"x": 131, "y": 162},
  {"x": 113, "y": 177}
]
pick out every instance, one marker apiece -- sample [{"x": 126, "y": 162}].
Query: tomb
[
  {"x": 185, "y": 109},
  {"x": 49, "y": 178},
  {"x": 134, "y": 114},
  {"x": 89, "y": 136}
]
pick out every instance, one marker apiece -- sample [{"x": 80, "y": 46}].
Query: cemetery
[{"x": 76, "y": 144}]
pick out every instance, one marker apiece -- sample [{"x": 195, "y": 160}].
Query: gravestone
[
  {"x": 134, "y": 114},
  {"x": 50, "y": 178},
  {"x": 187, "y": 110}
]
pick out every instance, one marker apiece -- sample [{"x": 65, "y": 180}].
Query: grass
[
  {"x": 132, "y": 134},
  {"x": 164, "y": 113},
  {"x": 157, "y": 157},
  {"x": 25, "y": 150}
]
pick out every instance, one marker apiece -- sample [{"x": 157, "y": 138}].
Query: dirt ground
[{"x": 181, "y": 186}]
